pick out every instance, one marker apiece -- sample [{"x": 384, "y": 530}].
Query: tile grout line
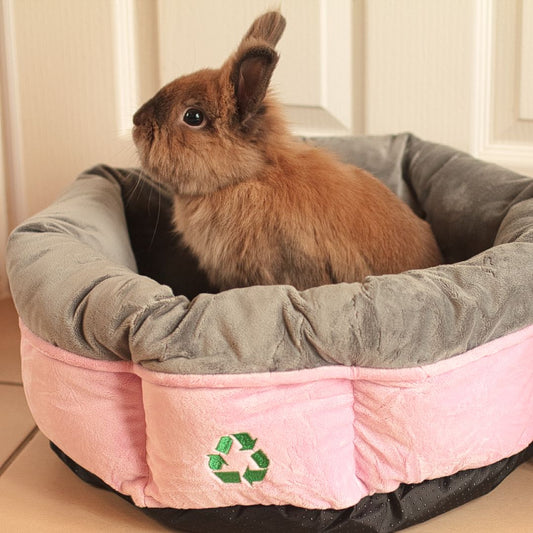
[{"x": 9, "y": 461}]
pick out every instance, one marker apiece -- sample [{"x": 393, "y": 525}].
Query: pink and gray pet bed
[{"x": 352, "y": 407}]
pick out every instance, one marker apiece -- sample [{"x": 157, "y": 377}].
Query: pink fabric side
[
  {"x": 92, "y": 411},
  {"x": 462, "y": 418},
  {"x": 330, "y": 435},
  {"x": 304, "y": 429},
  {"x": 408, "y": 425}
]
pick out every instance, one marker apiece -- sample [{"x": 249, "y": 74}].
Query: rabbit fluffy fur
[{"x": 256, "y": 205}]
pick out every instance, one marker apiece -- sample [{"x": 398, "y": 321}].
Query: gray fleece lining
[{"x": 74, "y": 274}]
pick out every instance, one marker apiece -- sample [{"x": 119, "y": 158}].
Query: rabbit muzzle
[{"x": 145, "y": 115}]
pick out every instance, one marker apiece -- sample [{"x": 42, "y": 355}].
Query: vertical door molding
[
  {"x": 4, "y": 223},
  {"x": 136, "y": 59},
  {"x": 333, "y": 113},
  {"x": 126, "y": 61},
  {"x": 482, "y": 75},
  {"x": 13, "y": 205},
  {"x": 526, "y": 64},
  {"x": 13, "y": 160}
]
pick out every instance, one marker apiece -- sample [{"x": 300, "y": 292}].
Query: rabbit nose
[{"x": 143, "y": 114}]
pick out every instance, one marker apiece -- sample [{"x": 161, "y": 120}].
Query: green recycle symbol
[{"x": 217, "y": 461}]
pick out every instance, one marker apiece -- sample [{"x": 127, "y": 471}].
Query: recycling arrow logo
[{"x": 220, "y": 467}]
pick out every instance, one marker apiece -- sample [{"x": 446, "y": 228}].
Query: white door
[
  {"x": 458, "y": 72},
  {"x": 454, "y": 71}
]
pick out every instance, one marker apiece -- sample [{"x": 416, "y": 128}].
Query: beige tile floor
[{"x": 40, "y": 494}]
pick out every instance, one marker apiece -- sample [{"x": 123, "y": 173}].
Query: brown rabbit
[{"x": 256, "y": 205}]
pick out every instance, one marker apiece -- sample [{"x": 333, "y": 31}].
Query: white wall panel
[
  {"x": 73, "y": 72},
  {"x": 501, "y": 134},
  {"x": 456, "y": 72},
  {"x": 418, "y": 73},
  {"x": 63, "y": 86}
]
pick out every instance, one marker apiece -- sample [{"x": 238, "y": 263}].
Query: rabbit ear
[
  {"x": 250, "y": 76},
  {"x": 254, "y": 62},
  {"x": 268, "y": 27}
]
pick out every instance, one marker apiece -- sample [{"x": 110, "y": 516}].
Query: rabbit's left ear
[{"x": 251, "y": 73}]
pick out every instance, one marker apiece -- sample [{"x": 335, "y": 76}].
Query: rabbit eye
[{"x": 194, "y": 117}]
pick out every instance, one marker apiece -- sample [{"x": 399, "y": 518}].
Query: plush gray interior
[{"x": 101, "y": 274}]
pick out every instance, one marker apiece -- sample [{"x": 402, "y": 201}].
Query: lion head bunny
[{"x": 256, "y": 205}]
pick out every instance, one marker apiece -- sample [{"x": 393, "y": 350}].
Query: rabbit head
[{"x": 211, "y": 129}]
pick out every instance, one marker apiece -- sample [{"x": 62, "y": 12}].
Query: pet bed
[{"x": 350, "y": 407}]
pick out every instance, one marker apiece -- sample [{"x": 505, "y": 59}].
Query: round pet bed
[{"x": 351, "y": 407}]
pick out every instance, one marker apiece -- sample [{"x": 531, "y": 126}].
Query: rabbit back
[{"x": 309, "y": 220}]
